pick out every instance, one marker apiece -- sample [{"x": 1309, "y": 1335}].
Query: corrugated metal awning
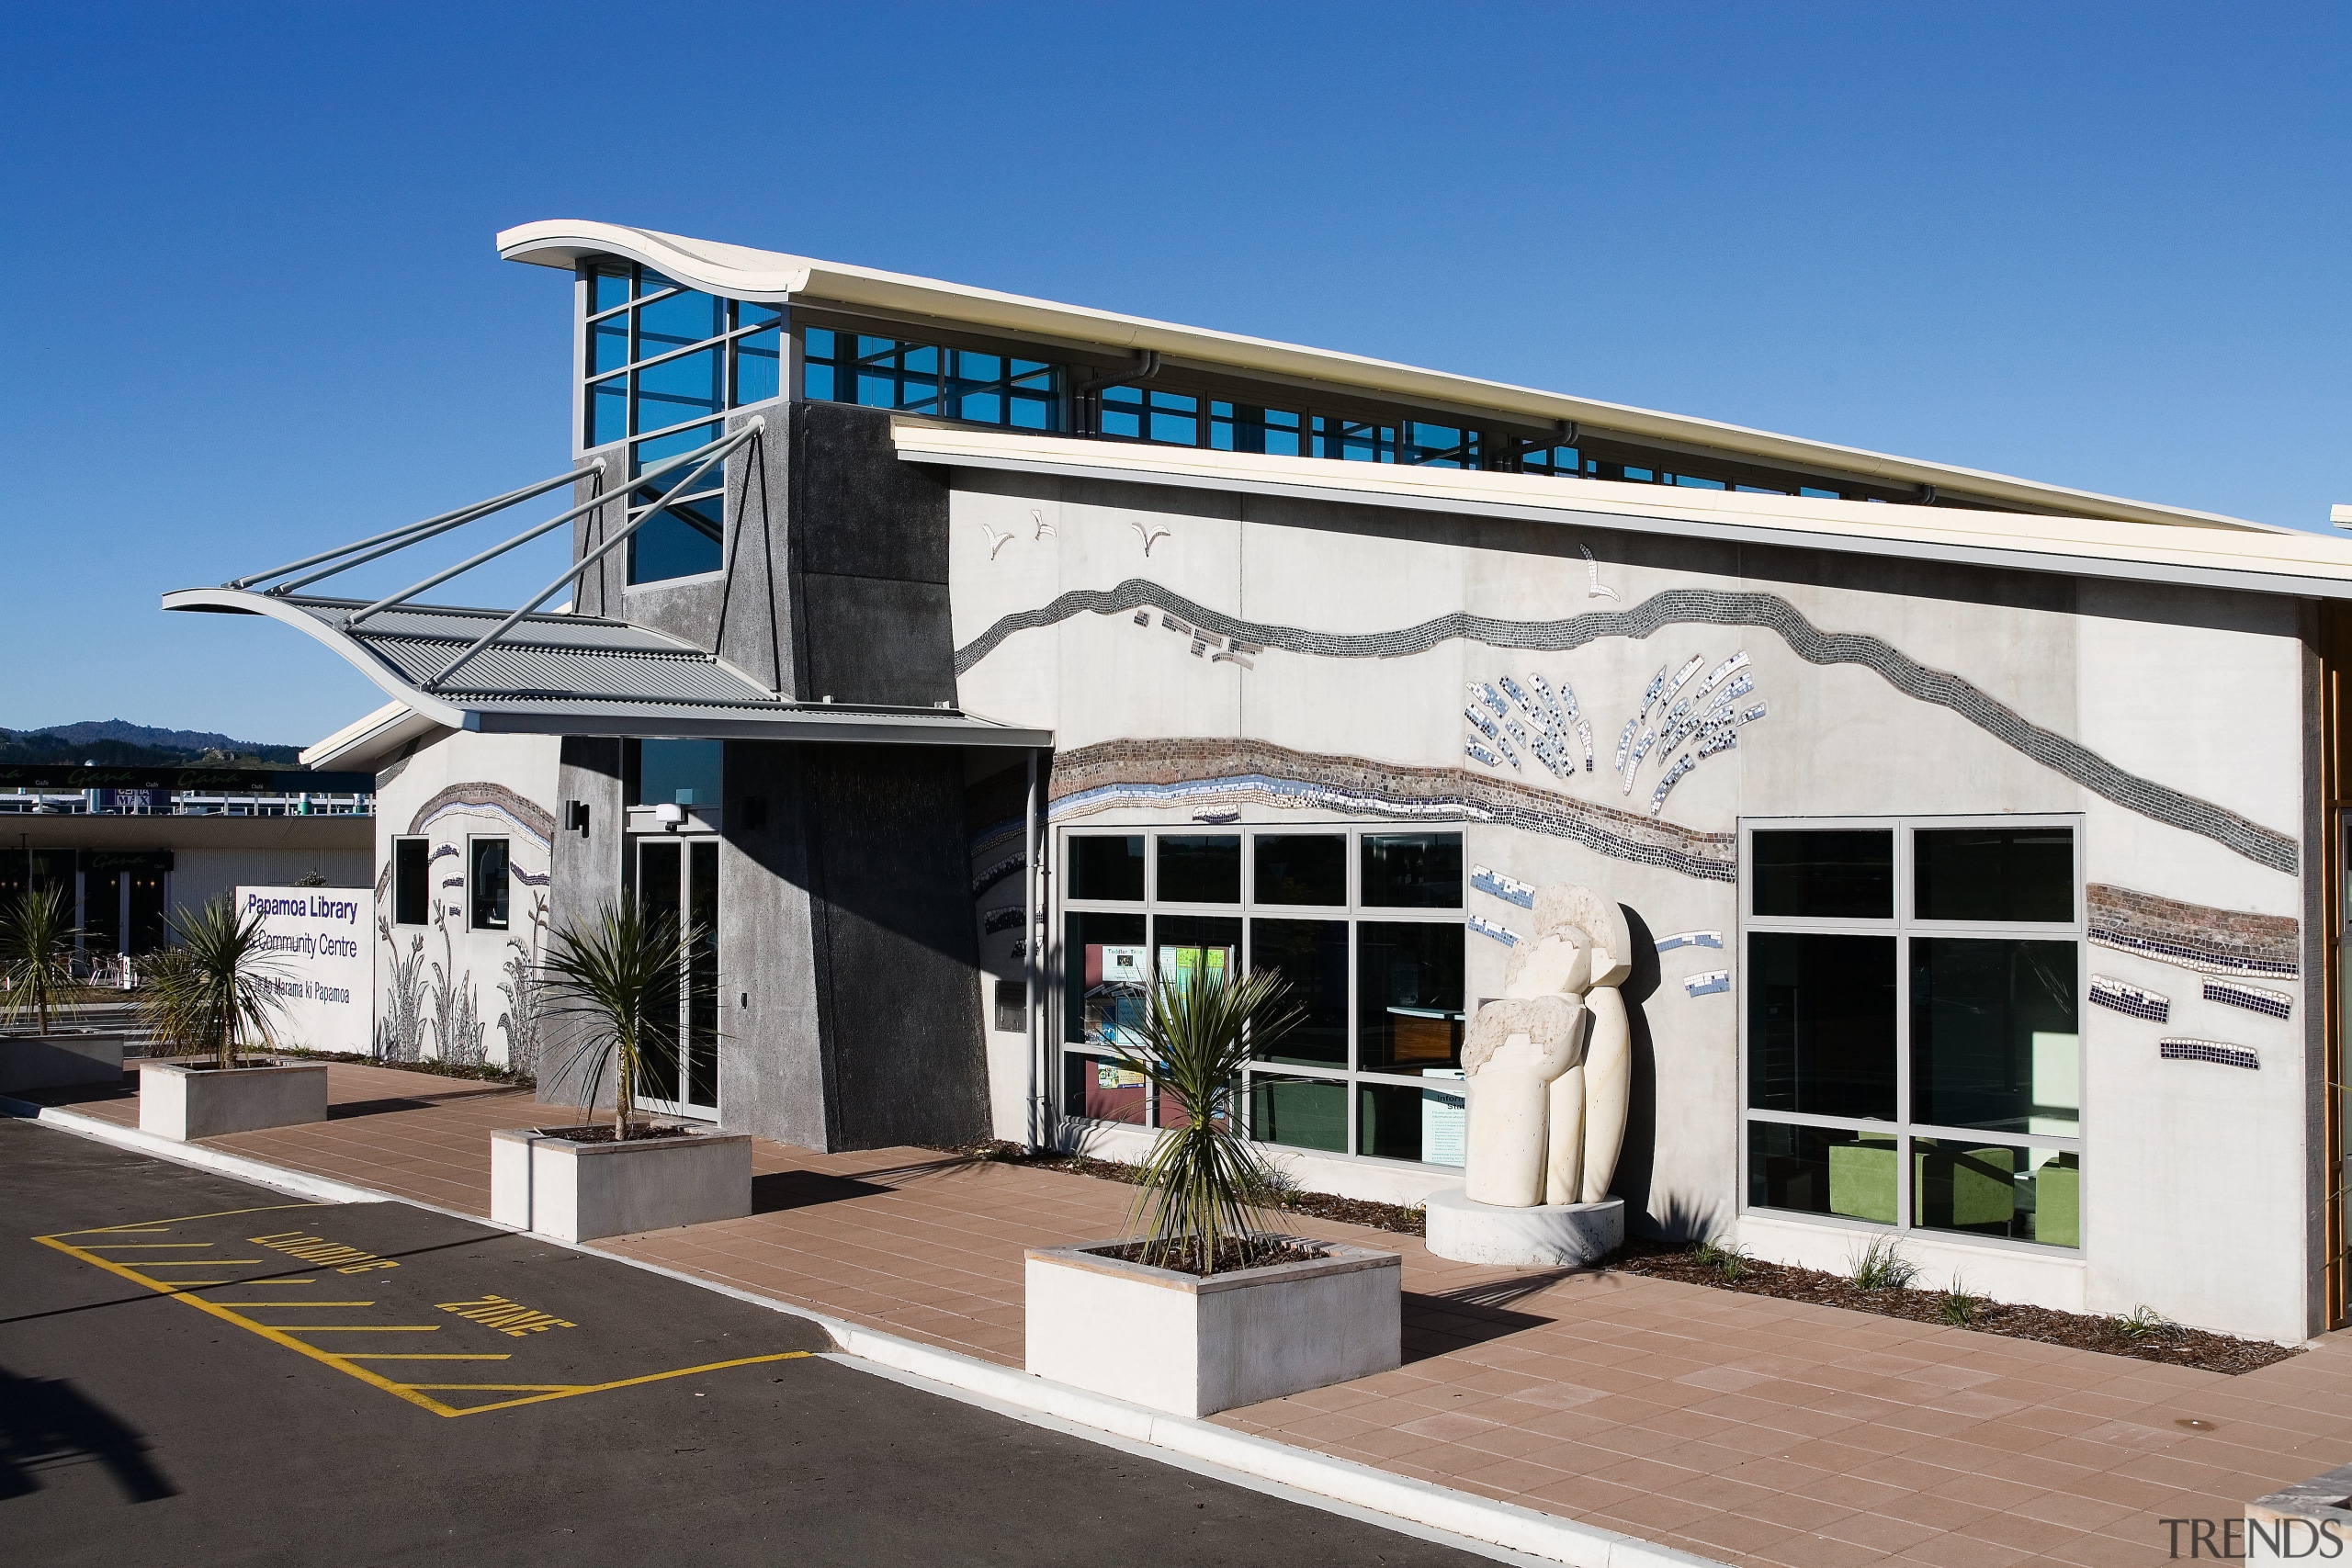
[{"x": 565, "y": 674}]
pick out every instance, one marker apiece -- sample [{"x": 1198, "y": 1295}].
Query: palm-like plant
[
  {"x": 1205, "y": 1188},
  {"x": 216, "y": 987},
  {"x": 616, "y": 976},
  {"x": 36, "y": 955}
]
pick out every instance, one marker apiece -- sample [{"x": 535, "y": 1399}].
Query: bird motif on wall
[
  {"x": 996, "y": 540},
  {"x": 1149, "y": 535},
  {"x": 1044, "y": 527},
  {"x": 1599, "y": 590}
]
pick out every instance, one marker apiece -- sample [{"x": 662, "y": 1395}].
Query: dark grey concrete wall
[
  {"x": 582, "y": 873},
  {"x": 771, "y": 1069},
  {"x": 896, "y": 964},
  {"x": 869, "y": 559}
]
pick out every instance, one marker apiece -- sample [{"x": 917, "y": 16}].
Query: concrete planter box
[
  {"x": 578, "y": 1191},
  {"x": 63, "y": 1058},
  {"x": 1193, "y": 1346},
  {"x": 178, "y": 1100}
]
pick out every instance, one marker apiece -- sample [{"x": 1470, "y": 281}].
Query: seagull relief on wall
[
  {"x": 1044, "y": 527},
  {"x": 1149, "y": 535},
  {"x": 1679, "y": 713},
  {"x": 996, "y": 540},
  {"x": 1597, "y": 589}
]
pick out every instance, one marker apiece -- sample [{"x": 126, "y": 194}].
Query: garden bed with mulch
[
  {"x": 2144, "y": 1338},
  {"x": 477, "y": 1072}
]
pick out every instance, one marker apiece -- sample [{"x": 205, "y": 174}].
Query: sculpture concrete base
[{"x": 1555, "y": 1236}]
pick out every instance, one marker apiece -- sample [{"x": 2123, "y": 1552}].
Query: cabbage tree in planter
[
  {"x": 37, "y": 986},
  {"x": 610, "y": 989},
  {"x": 209, "y": 1000},
  {"x": 1206, "y": 1305}
]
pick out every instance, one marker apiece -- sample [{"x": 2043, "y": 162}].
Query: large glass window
[
  {"x": 1364, "y": 923},
  {"x": 672, "y": 773},
  {"x": 664, "y": 363},
  {"x": 1912, "y": 1030},
  {"x": 921, "y": 377}
]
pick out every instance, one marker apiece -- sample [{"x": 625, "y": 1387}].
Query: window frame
[
  {"x": 1353, "y": 913},
  {"x": 1901, "y": 925},
  {"x": 399, "y": 840},
  {"x": 473, "y": 881}
]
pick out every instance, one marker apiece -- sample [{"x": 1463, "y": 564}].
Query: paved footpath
[
  {"x": 1754, "y": 1432},
  {"x": 195, "y": 1370}
]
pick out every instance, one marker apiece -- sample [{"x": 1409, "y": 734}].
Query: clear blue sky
[{"x": 256, "y": 309}]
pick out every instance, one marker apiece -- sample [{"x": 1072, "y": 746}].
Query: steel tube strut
[
  {"x": 725, "y": 446},
  {"x": 411, "y": 533},
  {"x": 667, "y": 466}
]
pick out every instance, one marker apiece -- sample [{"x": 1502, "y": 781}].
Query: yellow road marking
[
  {"x": 348, "y": 1365},
  {"x": 505, "y": 1387},
  {"x": 156, "y": 1227},
  {"x": 304, "y": 1305}
]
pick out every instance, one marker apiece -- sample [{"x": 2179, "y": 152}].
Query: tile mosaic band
[
  {"x": 2254, "y": 998},
  {"x": 2194, "y": 936},
  {"x": 2135, "y": 1001},
  {"x": 1195, "y": 773},
  {"x": 2216, "y": 1051},
  {"x": 1706, "y": 606}
]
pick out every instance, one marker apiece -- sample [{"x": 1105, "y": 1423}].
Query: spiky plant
[
  {"x": 216, "y": 987},
  {"x": 1205, "y": 1186},
  {"x": 1881, "y": 1266},
  {"x": 2143, "y": 1322},
  {"x": 36, "y": 936},
  {"x": 616, "y": 977}
]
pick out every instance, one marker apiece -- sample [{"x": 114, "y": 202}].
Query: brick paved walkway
[{"x": 1740, "y": 1427}]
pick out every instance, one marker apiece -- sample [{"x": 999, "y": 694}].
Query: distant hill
[{"x": 115, "y": 742}]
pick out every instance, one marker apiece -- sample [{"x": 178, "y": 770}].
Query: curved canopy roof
[
  {"x": 567, "y": 675},
  {"x": 742, "y": 273}
]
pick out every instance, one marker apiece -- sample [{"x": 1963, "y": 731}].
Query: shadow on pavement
[{"x": 46, "y": 1423}]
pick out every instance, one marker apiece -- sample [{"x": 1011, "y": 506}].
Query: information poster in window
[
  {"x": 1115, "y": 1003},
  {"x": 1177, "y": 963},
  {"x": 1445, "y": 1120}
]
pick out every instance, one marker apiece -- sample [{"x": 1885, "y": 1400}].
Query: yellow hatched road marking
[
  {"x": 506, "y": 1387},
  {"x": 348, "y": 1365},
  {"x": 157, "y": 1227}
]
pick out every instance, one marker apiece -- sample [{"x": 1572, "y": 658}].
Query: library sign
[{"x": 315, "y": 956}]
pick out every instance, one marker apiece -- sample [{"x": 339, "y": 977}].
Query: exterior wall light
[{"x": 672, "y": 816}]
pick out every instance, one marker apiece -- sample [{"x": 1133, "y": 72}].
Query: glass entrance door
[{"x": 679, "y": 877}]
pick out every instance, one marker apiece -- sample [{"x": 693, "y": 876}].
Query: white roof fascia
[
  {"x": 742, "y": 273},
  {"x": 2287, "y": 561},
  {"x": 364, "y": 741}
]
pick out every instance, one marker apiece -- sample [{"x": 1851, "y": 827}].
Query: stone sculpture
[{"x": 1550, "y": 1065}]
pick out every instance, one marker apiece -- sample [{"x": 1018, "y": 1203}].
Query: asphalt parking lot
[{"x": 198, "y": 1370}]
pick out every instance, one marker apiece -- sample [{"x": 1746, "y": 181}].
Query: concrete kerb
[{"x": 1243, "y": 1458}]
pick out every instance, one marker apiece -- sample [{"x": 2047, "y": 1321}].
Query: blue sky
[{"x": 256, "y": 309}]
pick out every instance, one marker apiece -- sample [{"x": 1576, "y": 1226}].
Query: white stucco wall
[
  {"x": 438, "y": 987},
  {"x": 2195, "y": 1196}
]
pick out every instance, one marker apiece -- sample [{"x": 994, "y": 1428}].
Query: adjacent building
[{"x": 959, "y": 660}]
